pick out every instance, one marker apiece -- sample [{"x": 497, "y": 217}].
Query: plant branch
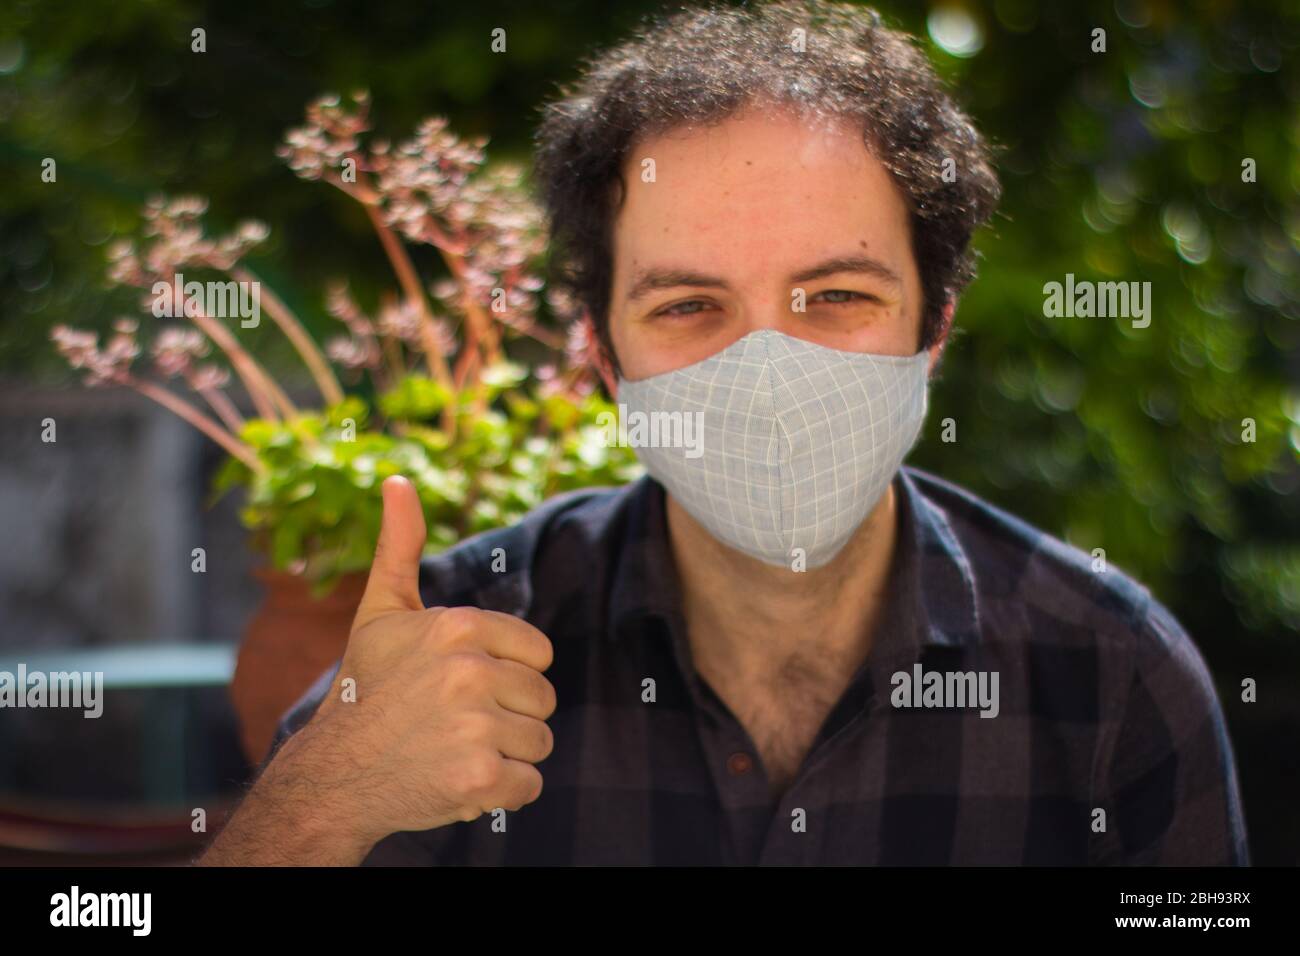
[
  {"x": 480, "y": 323},
  {"x": 196, "y": 418},
  {"x": 410, "y": 282},
  {"x": 260, "y": 385},
  {"x": 297, "y": 335},
  {"x": 219, "y": 403}
]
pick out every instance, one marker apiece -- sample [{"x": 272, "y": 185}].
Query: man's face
[{"x": 738, "y": 217}]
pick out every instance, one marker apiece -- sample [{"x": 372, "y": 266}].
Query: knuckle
[
  {"x": 464, "y": 672},
  {"x": 474, "y": 726},
  {"x": 456, "y": 624},
  {"x": 480, "y": 773}
]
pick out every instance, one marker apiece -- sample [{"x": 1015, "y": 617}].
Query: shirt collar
[
  {"x": 943, "y": 578},
  {"x": 932, "y": 598},
  {"x": 645, "y": 581}
]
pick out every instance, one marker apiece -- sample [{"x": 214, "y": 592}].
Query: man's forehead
[
  {"x": 748, "y": 150},
  {"x": 753, "y": 173}
]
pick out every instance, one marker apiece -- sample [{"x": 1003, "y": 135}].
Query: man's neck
[{"x": 747, "y": 619}]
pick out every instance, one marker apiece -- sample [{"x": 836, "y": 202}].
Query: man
[{"x": 780, "y": 646}]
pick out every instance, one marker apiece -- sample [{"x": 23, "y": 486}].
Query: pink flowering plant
[{"x": 484, "y": 437}]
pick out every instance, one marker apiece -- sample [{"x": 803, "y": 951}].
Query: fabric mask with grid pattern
[{"x": 797, "y": 445}]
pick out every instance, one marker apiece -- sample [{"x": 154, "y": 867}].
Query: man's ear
[
  {"x": 936, "y": 350},
  {"x": 597, "y": 356}
]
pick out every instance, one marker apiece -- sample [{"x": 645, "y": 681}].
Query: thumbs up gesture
[{"x": 450, "y": 709}]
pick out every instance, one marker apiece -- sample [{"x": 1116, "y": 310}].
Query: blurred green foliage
[
  {"x": 1127, "y": 166},
  {"x": 316, "y": 508}
]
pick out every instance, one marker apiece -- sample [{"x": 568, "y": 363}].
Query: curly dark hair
[{"x": 699, "y": 65}]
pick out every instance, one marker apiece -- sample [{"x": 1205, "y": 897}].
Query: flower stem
[
  {"x": 391, "y": 345},
  {"x": 480, "y": 323},
  {"x": 220, "y": 404},
  {"x": 196, "y": 418},
  {"x": 410, "y": 283},
  {"x": 261, "y": 386},
  {"x": 297, "y": 335}
]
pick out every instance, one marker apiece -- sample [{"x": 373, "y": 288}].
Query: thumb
[{"x": 395, "y": 574}]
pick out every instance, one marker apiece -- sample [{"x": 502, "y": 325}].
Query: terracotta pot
[{"x": 291, "y": 639}]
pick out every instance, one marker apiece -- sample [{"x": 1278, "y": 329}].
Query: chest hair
[{"x": 784, "y": 711}]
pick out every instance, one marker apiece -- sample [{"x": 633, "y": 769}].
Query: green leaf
[{"x": 414, "y": 398}]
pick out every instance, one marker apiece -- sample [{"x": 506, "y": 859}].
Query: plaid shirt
[{"x": 1104, "y": 705}]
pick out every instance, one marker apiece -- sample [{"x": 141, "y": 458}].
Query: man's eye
[
  {"x": 683, "y": 307},
  {"x": 846, "y": 296}
]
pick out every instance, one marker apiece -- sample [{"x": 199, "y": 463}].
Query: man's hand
[{"x": 448, "y": 720}]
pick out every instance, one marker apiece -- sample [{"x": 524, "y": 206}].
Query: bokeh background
[{"x": 1124, "y": 165}]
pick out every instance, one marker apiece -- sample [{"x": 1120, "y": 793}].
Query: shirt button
[{"x": 739, "y": 763}]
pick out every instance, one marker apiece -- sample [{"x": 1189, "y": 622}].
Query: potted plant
[{"x": 434, "y": 393}]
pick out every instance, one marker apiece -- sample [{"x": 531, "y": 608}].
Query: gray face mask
[{"x": 796, "y": 442}]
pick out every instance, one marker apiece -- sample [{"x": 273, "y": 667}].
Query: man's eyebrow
[
  {"x": 650, "y": 280},
  {"x": 839, "y": 264}
]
